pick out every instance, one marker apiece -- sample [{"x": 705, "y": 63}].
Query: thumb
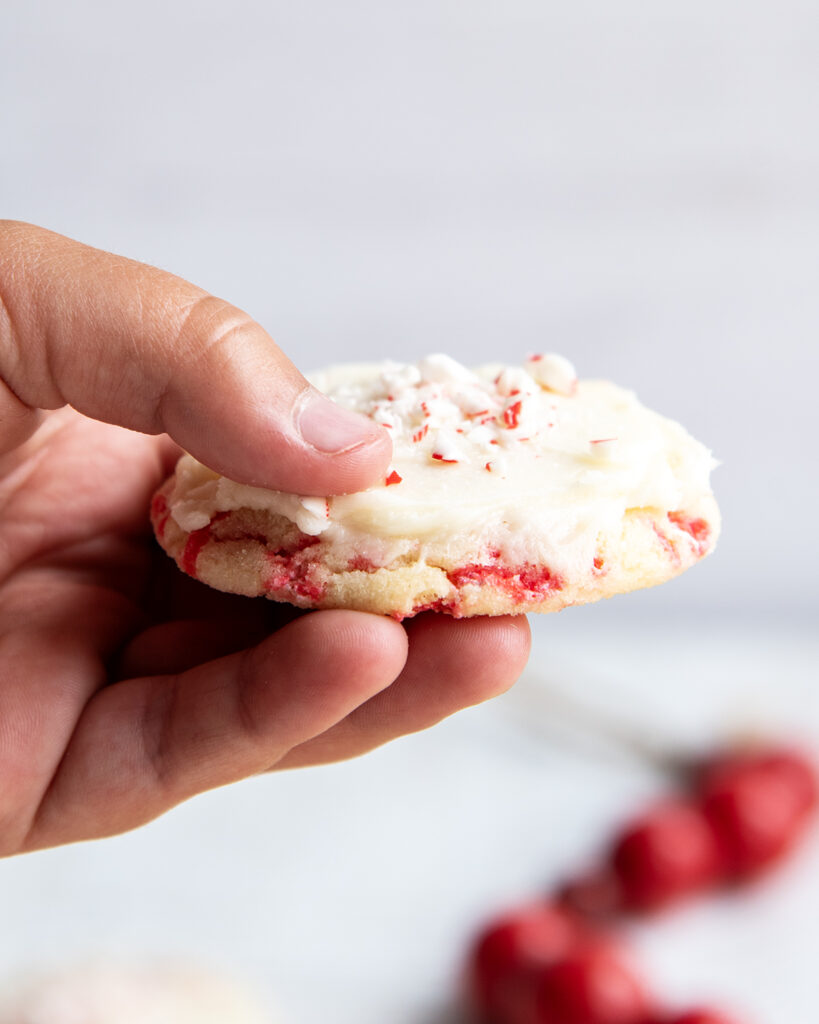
[{"x": 126, "y": 343}]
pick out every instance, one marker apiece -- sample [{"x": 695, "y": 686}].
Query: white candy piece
[
  {"x": 445, "y": 447},
  {"x": 481, "y": 437},
  {"x": 384, "y": 414},
  {"x": 400, "y": 375},
  {"x": 472, "y": 401},
  {"x": 514, "y": 380},
  {"x": 318, "y": 507},
  {"x": 553, "y": 372},
  {"x": 441, "y": 369}
]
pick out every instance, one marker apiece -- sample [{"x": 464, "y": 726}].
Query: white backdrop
[{"x": 635, "y": 185}]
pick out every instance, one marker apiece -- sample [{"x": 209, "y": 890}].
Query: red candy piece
[
  {"x": 668, "y": 854},
  {"x": 593, "y": 985},
  {"x": 511, "y": 416},
  {"x": 758, "y": 804},
  {"x": 509, "y": 954}
]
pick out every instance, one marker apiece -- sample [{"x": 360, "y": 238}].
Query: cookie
[
  {"x": 108, "y": 993},
  {"x": 512, "y": 489}
]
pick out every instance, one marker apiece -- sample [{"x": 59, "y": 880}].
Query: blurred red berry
[
  {"x": 789, "y": 763},
  {"x": 511, "y": 951},
  {"x": 668, "y": 854},
  {"x": 593, "y": 985},
  {"x": 758, "y": 803},
  {"x": 594, "y": 895}
]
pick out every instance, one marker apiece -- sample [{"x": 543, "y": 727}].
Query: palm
[
  {"x": 75, "y": 524},
  {"x": 73, "y": 534},
  {"x": 88, "y": 600}
]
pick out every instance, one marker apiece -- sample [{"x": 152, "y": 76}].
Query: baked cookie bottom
[{"x": 258, "y": 553}]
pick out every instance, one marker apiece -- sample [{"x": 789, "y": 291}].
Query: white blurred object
[{"x": 106, "y": 993}]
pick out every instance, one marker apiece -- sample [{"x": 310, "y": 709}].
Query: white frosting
[{"x": 522, "y": 459}]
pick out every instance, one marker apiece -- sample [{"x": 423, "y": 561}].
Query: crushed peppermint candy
[
  {"x": 450, "y": 414},
  {"x": 441, "y": 369},
  {"x": 553, "y": 372},
  {"x": 317, "y": 507},
  {"x": 511, "y": 414},
  {"x": 446, "y": 447},
  {"x": 497, "y": 464},
  {"x": 514, "y": 380}
]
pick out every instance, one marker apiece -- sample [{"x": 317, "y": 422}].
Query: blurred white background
[{"x": 635, "y": 185}]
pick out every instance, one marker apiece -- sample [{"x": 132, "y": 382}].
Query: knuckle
[
  {"x": 207, "y": 326},
  {"x": 193, "y": 354},
  {"x": 207, "y": 343}
]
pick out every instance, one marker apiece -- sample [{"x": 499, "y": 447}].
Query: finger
[
  {"x": 144, "y": 745},
  {"x": 173, "y": 647},
  {"x": 451, "y": 664},
  {"x": 129, "y": 344},
  {"x": 59, "y": 627},
  {"x": 190, "y": 623}
]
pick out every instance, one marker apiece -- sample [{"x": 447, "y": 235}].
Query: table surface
[{"x": 347, "y": 894}]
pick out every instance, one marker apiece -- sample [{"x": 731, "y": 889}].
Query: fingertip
[
  {"x": 350, "y": 636},
  {"x": 354, "y": 653},
  {"x": 345, "y": 450},
  {"x": 364, "y": 465},
  {"x": 485, "y": 654},
  {"x": 505, "y": 642},
  {"x": 329, "y": 428},
  {"x": 512, "y": 636}
]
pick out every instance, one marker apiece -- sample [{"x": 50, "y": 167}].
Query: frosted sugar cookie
[
  {"x": 105, "y": 993},
  {"x": 512, "y": 489}
]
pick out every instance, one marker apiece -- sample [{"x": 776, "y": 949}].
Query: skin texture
[{"x": 125, "y": 687}]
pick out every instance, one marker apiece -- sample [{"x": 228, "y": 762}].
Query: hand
[{"x": 125, "y": 687}]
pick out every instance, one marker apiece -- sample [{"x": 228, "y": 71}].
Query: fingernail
[{"x": 328, "y": 428}]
